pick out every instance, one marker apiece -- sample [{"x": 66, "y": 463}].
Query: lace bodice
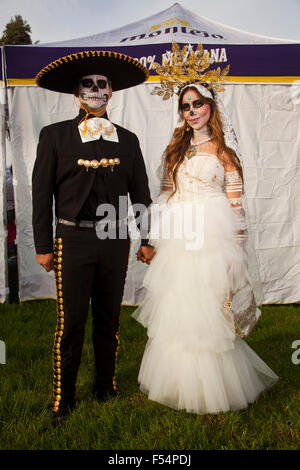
[{"x": 205, "y": 174}]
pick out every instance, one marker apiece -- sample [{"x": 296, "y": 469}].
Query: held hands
[
  {"x": 46, "y": 261},
  {"x": 145, "y": 254}
]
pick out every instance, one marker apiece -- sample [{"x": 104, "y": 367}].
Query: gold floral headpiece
[{"x": 187, "y": 67}]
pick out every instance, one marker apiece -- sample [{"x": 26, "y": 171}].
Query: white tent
[
  {"x": 261, "y": 97},
  {"x": 3, "y": 238}
]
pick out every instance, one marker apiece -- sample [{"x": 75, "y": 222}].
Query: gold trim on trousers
[{"x": 58, "y": 258}]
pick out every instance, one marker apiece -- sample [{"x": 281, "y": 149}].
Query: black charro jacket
[{"x": 57, "y": 173}]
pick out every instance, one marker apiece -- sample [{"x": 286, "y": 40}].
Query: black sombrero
[{"x": 122, "y": 70}]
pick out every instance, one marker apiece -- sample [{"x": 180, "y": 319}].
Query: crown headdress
[{"x": 187, "y": 67}]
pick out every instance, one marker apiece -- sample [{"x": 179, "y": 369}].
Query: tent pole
[{"x": 3, "y": 102}]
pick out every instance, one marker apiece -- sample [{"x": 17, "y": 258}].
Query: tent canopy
[
  {"x": 177, "y": 21},
  {"x": 252, "y": 57}
]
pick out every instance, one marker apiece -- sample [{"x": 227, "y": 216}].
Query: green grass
[{"x": 132, "y": 421}]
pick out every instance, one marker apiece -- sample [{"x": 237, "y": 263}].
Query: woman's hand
[{"x": 145, "y": 254}]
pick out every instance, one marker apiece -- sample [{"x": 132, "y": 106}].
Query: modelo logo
[{"x": 172, "y": 26}]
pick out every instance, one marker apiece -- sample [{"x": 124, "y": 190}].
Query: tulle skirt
[{"x": 193, "y": 359}]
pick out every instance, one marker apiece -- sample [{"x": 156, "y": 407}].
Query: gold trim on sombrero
[
  {"x": 187, "y": 67},
  {"x": 84, "y": 54}
]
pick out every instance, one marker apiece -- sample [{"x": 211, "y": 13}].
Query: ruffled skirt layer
[{"x": 193, "y": 359}]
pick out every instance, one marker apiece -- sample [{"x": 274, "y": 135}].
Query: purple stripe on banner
[{"x": 24, "y": 62}]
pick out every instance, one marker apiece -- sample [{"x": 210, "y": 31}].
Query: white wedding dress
[{"x": 193, "y": 359}]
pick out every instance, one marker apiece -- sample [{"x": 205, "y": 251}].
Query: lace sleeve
[
  {"x": 233, "y": 187},
  {"x": 166, "y": 184}
]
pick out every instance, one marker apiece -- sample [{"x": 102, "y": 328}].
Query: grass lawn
[{"x": 133, "y": 422}]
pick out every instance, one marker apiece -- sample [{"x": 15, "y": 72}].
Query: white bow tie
[{"x": 92, "y": 129}]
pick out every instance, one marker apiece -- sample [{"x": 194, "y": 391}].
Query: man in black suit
[{"x": 88, "y": 165}]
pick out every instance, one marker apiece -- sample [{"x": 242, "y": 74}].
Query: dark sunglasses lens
[
  {"x": 197, "y": 104},
  {"x": 87, "y": 82},
  {"x": 101, "y": 83},
  {"x": 185, "y": 107}
]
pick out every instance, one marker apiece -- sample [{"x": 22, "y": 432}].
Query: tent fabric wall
[
  {"x": 3, "y": 238},
  {"x": 3, "y": 231},
  {"x": 29, "y": 111},
  {"x": 265, "y": 118}
]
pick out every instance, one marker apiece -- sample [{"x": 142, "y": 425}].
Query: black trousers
[{"x": 87, "y": 269}]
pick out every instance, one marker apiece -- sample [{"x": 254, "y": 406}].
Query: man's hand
[
  {"x": 46, "y": 261},
  {"x": 145, "y": 254}
]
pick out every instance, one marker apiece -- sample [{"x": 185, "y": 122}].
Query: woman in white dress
[{"x": 195, "y": 358}]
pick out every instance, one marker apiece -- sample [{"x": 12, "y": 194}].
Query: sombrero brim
[{"x": 122, "y": 70}]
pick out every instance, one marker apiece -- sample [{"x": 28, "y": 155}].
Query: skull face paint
[
  {"x": 197, "y": 113},
  {"x": 94, "y": 92}
]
